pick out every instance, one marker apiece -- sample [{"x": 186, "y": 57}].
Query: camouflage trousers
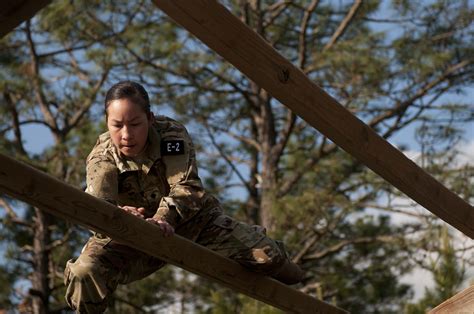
[{"x": 103, "y": 264}]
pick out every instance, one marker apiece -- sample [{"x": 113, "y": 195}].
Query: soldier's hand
[
  {"x": 165, "y": 227},
  {"x": 136, "y": 211}
]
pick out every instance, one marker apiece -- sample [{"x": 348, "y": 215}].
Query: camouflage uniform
[{"x": 165, "y": 182}]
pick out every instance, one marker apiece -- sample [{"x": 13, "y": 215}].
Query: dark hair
[{"x": 128, "y": 90}]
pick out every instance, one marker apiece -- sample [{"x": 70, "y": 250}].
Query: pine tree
[
  {"x": 265, "y": 163},
  {"x": 448, "y": 275}
]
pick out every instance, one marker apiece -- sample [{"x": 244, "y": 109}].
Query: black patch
[{"x": 172, "y": 147}]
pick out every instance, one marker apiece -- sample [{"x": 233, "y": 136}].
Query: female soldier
[{"x": 147, "y": 167}]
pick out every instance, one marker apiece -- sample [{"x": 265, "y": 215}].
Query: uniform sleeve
[
  {"x": 187, "y": 194},
  {"x": 102, "y": 179}
]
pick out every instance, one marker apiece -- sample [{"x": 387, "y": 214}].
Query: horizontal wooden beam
[
  {"x": 463, "y": 302},
  {"x": 14, "y": 12},
  {"x": 223, "y": 32},
  {"x": 46, "y": 192}
]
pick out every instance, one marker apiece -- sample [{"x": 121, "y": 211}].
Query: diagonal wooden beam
[
  {"x": 48, "y": 193},
  {"x": 463, "y": 302},
  {"x": 14, "y": 12},
  {"x": 219, "y": 29}
]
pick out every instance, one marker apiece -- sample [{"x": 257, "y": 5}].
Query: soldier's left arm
[{"x": 187, "y": 194}]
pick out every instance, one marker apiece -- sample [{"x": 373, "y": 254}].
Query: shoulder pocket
[{"x": 176, "y": 164}]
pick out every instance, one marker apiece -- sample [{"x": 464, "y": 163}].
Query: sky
[{"x": 37, "y": 138}]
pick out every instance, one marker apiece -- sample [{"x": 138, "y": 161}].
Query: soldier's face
[{"x": 128, "y": 126}]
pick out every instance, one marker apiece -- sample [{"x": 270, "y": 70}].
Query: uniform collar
[{"x": 151, "y": 154}]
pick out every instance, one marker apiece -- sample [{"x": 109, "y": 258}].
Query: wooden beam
[
  {"x": 14, "y": 12},
  {"x": 48, "y": 193},
  {"x": 223, "y": 32},
  {"x": 463, "y": 302}
]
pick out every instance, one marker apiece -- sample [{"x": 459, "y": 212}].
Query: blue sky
[{"x": 37, "y": 138}]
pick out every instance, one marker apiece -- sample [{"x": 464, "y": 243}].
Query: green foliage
[
  {"x": 447, "y": 273},
  {"x": 395, "y": 65},
  {"x": 7, "y": 279}
]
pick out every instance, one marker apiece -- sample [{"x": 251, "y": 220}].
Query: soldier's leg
[
  {"x": 249, "y": 246},
  {"x": 102, "y": 265}
]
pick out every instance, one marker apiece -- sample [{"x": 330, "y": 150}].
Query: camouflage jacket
[{"x": 164, "y": 179}]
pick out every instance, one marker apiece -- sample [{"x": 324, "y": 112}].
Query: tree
[
  {"x": 265, "y": 163},
  {"x": 448, "y": 276},
  {"x": 294, "y": 177},
  {"x": 45, "y": 83}
]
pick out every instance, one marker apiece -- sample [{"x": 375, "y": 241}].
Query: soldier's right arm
[{"x": 102, "y": 178}]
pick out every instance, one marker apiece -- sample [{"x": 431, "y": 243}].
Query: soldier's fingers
[
  {"x": 167, "y": 229},
  {"x": 134, "y": 212},
  {"x": 152, "y": 220},
  {"x": 141, "y": 210}
]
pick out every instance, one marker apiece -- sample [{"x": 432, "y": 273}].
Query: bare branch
[
  {"x": 276, "y": 10},
  {"x": 86, "y": 106},
  {"x": 284, "y": 136},
  {"x": 302, "y": 36},
  {"x": 16, "y": 123},
  {"x": 343, "y": 25},
  {"x": 57, "y": 243},
  {"x": 307, "y": 246},
  {"x": 247, "y": 140},
  {"x": 289, "y": 182},
  {"x": 344, "y": 243},
  {"x": 391, "y": 209},
  {"x": 401, "y": 107},
  {"x": 40, "y": 97},
  {"x": 226, "y": 158},
  {"x": 12, "y": 215}
]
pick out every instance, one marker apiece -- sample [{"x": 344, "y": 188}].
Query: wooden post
[
  {"x": 461, "y": 303},
  {"x": 48, "y": 193},
  {"x": 219, "y": 29},
  {"x": 14, "y": 12}
]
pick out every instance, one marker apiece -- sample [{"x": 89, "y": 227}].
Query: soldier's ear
[{"x": 151, "y": 117}]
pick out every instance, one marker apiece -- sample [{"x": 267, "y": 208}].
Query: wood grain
[
  {"x": 46, "y": 192},
  {"x": 219, "y": 29},
  {"x": 14, "y": 12},
  {"x": 461, "y": 303}
]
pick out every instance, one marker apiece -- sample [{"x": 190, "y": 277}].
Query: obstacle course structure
[{"x": 214, "y": 25}]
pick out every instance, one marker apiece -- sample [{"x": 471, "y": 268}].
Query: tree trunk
[{"x": 40, "y": 282}]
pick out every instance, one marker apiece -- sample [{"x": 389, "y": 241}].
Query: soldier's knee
[
  {"x": 81, "y": 271},
  {"x": 86, "y": 287}
]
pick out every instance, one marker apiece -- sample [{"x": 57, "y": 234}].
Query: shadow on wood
[{"x": 14, "y": 12}]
